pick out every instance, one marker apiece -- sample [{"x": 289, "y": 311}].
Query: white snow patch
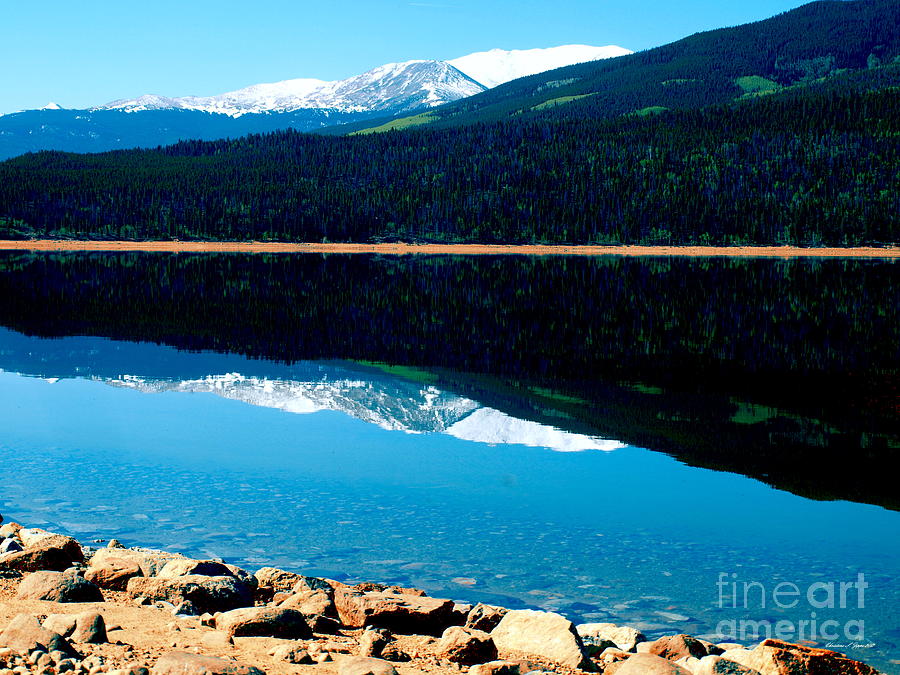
[{"x": 497, "y": 66}]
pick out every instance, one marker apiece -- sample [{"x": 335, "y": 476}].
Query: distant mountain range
[{"x": 302, "y": 104}]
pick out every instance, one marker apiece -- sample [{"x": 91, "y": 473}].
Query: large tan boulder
[
  {"x": 112, "y": 571},
  {"x": 674, "y": 647},
  {"x": 311, "y": 603},
  {"x": 398, "y": 612},
  {"x": 183, "y": 663},
  {"x": 466, "y": 646},
  {"x": 624, "y": 637},
  {"x": 271, "y": 580},
  {"x": 52, "y": 552},
  {"x": 774, "y": 657},
  {"x": 542, "y": 634},
  {"x": 646, "y": 664},
  {"x": 90, "y": 628},
  {"x": 25, "y": 634},
  {"x": 288, "y": 624},
  {"x": 363, "y": 665},
  {"x": 58, "y": 587},
  {"x": 112, "y": 567},
  {"x": 182, "y": 567},
  {"x": 206, "y": 594},
  {"x": 716, "y": 665}
]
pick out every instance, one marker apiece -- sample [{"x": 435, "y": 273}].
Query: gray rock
[
  {"x": 361, "y": 665},
  {"x": 275, "y": 622},
  {"x": 542, "y": 634},
  {"x": 58, "y": 587},
  {"x": 182, "y": 663}
]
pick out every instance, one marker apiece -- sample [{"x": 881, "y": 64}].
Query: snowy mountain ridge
[
  {"x": 395, "y": 87},
  {"x": 395, "y": 406}
]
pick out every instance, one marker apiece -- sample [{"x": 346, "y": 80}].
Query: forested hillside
[
  {"x": 799, "y": 144},
  {"x": 816, "y": 41},
  {"x": 822, "y": 168}
]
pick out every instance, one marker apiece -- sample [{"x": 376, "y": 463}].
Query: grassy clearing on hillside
[
  {"x": 402, "y": 123},
  {"x": 562, "y": 100}
]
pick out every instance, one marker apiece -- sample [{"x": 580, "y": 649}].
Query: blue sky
[{"x": 87, "y": 53}]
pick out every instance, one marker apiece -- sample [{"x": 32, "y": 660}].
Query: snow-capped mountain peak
[
  {"x": 497, "y": 66},
  {"x": 393, "y": 86}
]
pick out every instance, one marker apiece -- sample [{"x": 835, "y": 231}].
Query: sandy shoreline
[{"x": 450, "y": 249}]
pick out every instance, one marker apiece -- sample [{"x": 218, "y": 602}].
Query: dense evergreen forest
[
  {"x": 786, "y": 131},
  {"x": 704, "y": 359},
  {"x": 811, "y": 169}
]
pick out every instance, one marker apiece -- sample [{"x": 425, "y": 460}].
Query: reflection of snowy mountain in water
[{"x": 390, "y": 403}]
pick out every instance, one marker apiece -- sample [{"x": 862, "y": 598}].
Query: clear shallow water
[
  {"x": 401, "y": 419},
  {"x": 625, "y": 535}
]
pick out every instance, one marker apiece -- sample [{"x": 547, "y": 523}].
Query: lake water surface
[{"x": 617, "y": 440}]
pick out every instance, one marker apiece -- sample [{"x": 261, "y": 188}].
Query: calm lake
[{"x": 624, "y": 440}]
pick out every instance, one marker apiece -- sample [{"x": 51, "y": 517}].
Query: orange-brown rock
[
  {"x": 398, "y": 612},
  {"x": 645, "y": 664},
  {"x": 466, "y": 646},
  {"x": 53, "y": 552},
  {"x": 288, "y": 624},
  {"x": 674, "y": 647},
  {"x": 206, "y": 594},
  {"x": 774, "y": 657},
  {"x": 183, "y": 663}
]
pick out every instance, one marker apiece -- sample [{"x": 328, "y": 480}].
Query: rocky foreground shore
[{"x": 73, "y": 609}]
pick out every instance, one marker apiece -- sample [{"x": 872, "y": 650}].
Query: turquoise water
[{"x": 204, "y": 464}]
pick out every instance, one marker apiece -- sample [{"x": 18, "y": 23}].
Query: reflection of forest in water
[{"x": 782, "y": 370}]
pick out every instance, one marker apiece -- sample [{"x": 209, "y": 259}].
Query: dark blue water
[{"x": 234, "y": 458}]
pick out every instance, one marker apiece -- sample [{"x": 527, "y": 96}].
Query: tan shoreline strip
[{"x": 449, "y": 249}]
